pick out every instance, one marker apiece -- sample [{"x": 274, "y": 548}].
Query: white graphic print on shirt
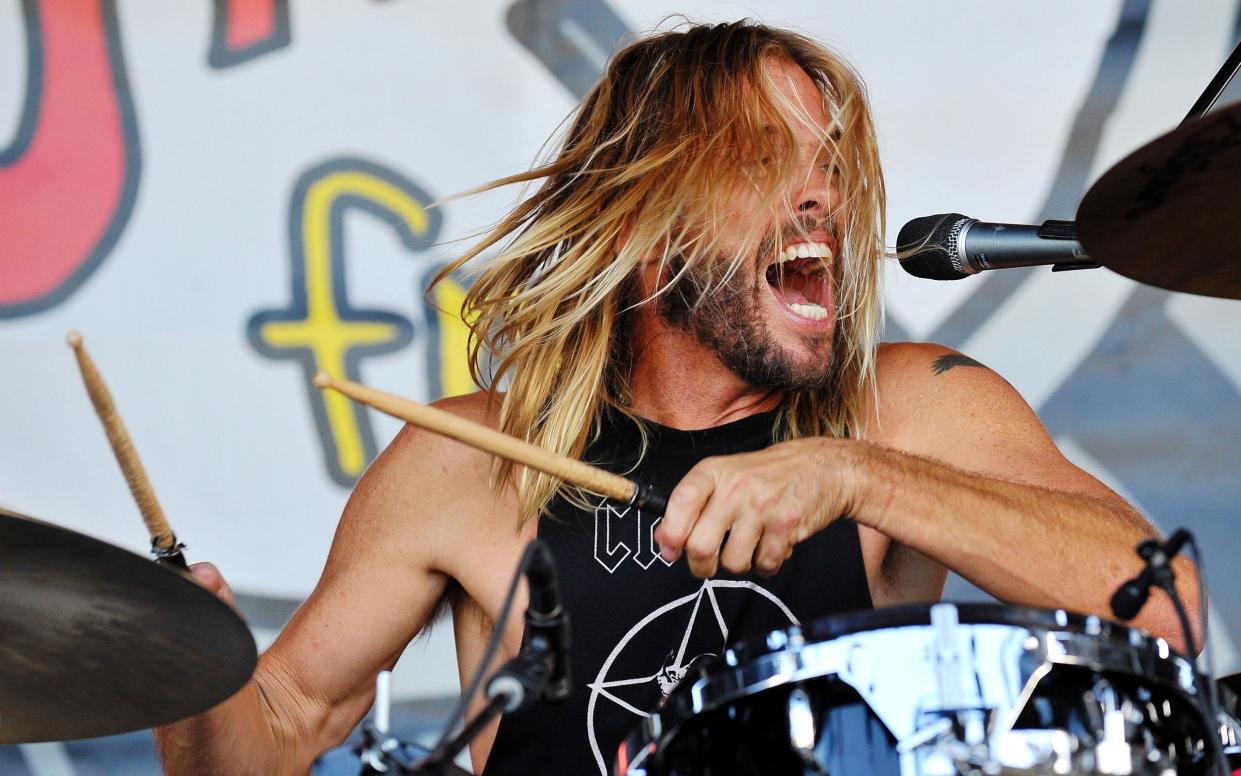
[{"x": 705, "y": 634}]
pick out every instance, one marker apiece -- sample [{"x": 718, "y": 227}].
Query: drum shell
[{"x": 734, "y": 718}]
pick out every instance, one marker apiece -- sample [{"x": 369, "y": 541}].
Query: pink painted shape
[
  {"x": 57, "y": 199},
  {"x": 250, "y": 22}
]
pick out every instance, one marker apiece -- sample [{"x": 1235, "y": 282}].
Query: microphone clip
[
  {"x": 547, "y": 642},
  {"x": 1130, "y": 597}
]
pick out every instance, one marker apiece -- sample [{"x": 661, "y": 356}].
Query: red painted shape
[
  {"x": 58, "y": 198},
  {"x": 250, "y": 22}
]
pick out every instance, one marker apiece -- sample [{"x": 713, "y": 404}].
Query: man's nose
[{"x": 816, "y": 196}]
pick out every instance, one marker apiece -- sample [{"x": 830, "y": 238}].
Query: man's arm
[
  {"x": 379, "y": 587},
  {"x": 956, "y": 471},
  {"x": 960, "y": 455}
]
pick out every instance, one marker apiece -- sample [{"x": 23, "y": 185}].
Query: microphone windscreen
[
  {"x": 927, "y": 246},
  {"x": 1128, "y": 600},
  {"x": 544, "y": 587}
]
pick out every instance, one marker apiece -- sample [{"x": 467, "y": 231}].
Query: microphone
[
  {"x": 541, "y": 670},
  {"x": 547, "y": 621},
  {"x": 1130, "y": 597},
  {"x": 950, "y": 246}
]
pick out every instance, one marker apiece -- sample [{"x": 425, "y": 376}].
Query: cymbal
[
  {"x": 1167, "y": 214},
  {"x": 95, "y": 640}
]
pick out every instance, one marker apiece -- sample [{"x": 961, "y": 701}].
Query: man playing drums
[{"x": 692, "y": 297}]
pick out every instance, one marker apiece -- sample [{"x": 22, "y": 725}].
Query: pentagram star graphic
[{"x": 662, "y": 666}]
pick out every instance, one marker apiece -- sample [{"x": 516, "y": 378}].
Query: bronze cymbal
[
  {"x": 95, "y": 640},
  {"x": 1169, "y": 214}
]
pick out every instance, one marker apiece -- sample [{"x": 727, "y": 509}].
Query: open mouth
[{"x": 800, "y": 279}]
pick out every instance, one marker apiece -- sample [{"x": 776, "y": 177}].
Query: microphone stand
[
  {"x": 540, "y": 671},
  {"x": 516, "y": 686},
  {"x": 433, "y": 764}
]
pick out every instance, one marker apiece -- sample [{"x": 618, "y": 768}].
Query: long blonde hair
[{"x": 678, "y": 121}]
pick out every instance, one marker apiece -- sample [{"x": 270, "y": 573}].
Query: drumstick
[
  {"x": 519, "y": 451},
  {"x": 163, "y": 541}
]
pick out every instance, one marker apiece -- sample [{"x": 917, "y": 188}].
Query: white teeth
[
  {"x": 812, "y": 311},
  {"x": 814, "y": 250}
]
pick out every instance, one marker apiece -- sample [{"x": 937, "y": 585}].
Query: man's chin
[
  {"x": 805, "y": 381},
  {"x": 807, "y": 369},
  {"x": 779, "y": 372}
]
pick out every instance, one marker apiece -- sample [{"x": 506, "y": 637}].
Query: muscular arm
[
  {"x": 954, "y": 471},
  {"x": 382, "y": 582},
  {"x": 962, "y": 472}
]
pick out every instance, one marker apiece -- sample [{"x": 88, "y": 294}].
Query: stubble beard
[{"x": 728, "y": 319}]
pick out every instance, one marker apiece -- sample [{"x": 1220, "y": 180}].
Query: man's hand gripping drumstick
[{"x": 570, "y": 470}]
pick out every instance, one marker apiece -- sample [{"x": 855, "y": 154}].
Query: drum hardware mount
[
  {"x": 173, "y": 556},
  {"x": 380, "y": 752}
]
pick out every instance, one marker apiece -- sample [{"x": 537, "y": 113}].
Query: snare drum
[{"x": 942, "y": 689}]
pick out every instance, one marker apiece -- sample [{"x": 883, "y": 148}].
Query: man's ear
[
  {"x": 646, "y": 266},
  {"x": 624, "y": 236}
]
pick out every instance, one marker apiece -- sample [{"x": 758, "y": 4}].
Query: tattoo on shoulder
[{"x": 944, "y": 363}]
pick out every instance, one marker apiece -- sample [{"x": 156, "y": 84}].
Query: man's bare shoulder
[
  {"x": 929, "y": 394},
  {"x": 422, "y": 477},
  {"x": 417, "y": 447},
  {"x": 480, "y": 406},
  {"x": 903, "y": 364}
]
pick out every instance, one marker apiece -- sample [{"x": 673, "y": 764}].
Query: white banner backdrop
[{"x": 223, "y": 197}]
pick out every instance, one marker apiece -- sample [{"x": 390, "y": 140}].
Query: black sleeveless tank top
[{"x": 639, "y": 624}]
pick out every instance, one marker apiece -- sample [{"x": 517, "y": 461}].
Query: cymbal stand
[
  {"x": 380, "y": 750},
  {"x": 1217, "y": 86}
]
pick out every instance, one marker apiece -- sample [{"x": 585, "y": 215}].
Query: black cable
[
  {"x": 1207, "y": 700},
  {"x": 1191, "y": 646},
  {"x": 497, "y": 635},
  {"x": 1208, "y": 653}
]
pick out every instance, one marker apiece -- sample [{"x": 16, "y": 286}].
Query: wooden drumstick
[
  {"x": 519, "y": 451},
  {"x": 163, "y": 541}
]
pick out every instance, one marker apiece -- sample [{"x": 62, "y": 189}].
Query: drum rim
[
  {"x": 1087, "y": 641},
  {"x": 1060, "y": 620}
]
